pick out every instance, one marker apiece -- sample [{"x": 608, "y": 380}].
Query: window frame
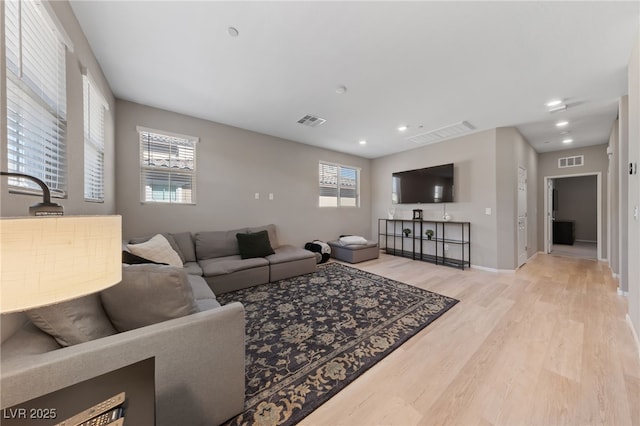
[
  {"x": 339, "y": 203},
  {"x": 145, "y": 168},
  {"x": 93, "y": 97}
]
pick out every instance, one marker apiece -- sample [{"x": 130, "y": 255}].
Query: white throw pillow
[
  {"x": 352, "y": 240},
  {"x": 157, "y": 249}
]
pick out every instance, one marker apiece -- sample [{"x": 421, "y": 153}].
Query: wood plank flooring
[{"x": 546, "y": 345}]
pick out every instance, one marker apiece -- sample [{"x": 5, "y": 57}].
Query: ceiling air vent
[
  {"x": 442, "y": 133},
  {"x": 312, "y": 121},
  {"x": 575, "y": 161}
]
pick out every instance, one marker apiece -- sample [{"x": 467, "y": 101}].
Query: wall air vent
[
  {"x": 442, "y": 133},
  {"x": 312, "y": 121},
  {"x": 575, "y": 161}
]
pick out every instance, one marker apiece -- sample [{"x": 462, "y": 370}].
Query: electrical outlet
[
  {"x": 257, "y": 196},
  {"x": 271, "y": 195},
  {"x": 446, "y": 247}
]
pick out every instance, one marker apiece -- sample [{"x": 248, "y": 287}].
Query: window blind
[
  {"x": 36, "y": 98},
  {"x": 167, "y": 168},
  {"x": 94, "y": 112},
  {"x": 339, "y": 185}
]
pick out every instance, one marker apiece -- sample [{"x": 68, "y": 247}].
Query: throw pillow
[
  {"x": 254, "y": 245},
  {"x": 148, "y": 294},
  {"x": 131, "y": 259},
  {"x": 157, "y": 249},
  {"x": 75, "y": 321},
  {"x": 352, "y": 240}
]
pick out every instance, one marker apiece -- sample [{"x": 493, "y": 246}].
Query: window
[
  {"x": 36, "y": 97},
  {"x": 94, "y": 110},
  {"x": 167, "y": 167},
  {"x": 339, "y": 186}
]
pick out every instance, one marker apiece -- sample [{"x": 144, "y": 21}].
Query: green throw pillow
[{"x": 254, "y": 245}]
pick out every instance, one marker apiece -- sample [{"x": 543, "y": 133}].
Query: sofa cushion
[
  {"x": 187, "y": 249},
  {"x": 74, "y": 321},
  {"x": 148, "y": 294},
  {"x": 157, "y": 249},
  {"x": 289, "y": 253},
  {"x": 212, "y": 244},
  {"x": 193, "y": 268},
  {"x": 202, "y": 293},
  {"x": 273, "y": 236},
  {"x": 230, "y": 264},
  {"x": 28, "y": 340},
  {"x": 254, "y": 244}
]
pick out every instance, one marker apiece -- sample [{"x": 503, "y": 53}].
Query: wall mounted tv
[{"x": 428, "y": 185}]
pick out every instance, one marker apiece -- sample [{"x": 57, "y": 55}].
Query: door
[
  {"x": 549, "y": 214},
  {"x": 522, "y": 216}
]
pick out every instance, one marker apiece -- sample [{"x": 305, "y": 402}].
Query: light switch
[{"x": 487, "y": 211}]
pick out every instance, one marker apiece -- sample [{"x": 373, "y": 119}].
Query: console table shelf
[{"x": 450, "y": 244}]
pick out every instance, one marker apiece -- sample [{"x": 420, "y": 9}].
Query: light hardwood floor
[{"x": 546, "y": 345}]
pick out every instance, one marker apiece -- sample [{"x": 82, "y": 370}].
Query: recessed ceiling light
[
  {"x": 561, "y": 123},
  {"x": 233, "y": 32},
  {"x": 568, "y": 140},
  {"x": 554, "y": 102},
  {"x": 402, "y": 128},
  {"x": 363, "y": 142}
]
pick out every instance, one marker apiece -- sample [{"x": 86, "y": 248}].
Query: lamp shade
[{"x": 45, "y": 260}]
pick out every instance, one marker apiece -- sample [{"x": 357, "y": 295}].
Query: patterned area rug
[{"x": 310, "y": 336}]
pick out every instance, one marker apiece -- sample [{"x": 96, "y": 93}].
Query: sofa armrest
[{"x": 199, "y": 363}]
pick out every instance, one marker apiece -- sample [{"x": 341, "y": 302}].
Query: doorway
[{"x": 573, "y": 210}]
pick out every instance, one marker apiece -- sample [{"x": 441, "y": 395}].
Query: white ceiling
[{"x": 428, "y": 64}]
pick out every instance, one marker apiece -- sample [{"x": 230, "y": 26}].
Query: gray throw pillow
[
  {"x": 186, "y": 247},
  {"x": 148, "y": 294},
  {"x": 75, "y": 321}
]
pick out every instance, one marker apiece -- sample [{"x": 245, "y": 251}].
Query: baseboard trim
[
  {"x": 487, "y": 269},
  {"x": 587, "y": 241},
  {"x": 622, "y": 292},
  {"x": 635, "y": 334}
]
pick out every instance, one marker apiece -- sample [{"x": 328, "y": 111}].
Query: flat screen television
[{"x": 428, "y": 185}]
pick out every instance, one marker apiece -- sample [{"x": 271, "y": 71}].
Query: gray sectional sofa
[
  {"x": 165, "y": 312},
  {"x": 215, "y": 255}
]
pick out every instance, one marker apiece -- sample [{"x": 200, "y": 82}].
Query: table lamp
[{"x": 46, "y": 260}]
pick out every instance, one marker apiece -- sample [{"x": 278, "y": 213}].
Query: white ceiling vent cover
[
  {"x": 575, "y": 161},
  {"x": 442, "y": 133},
  {"x": 312, "y": 121}
]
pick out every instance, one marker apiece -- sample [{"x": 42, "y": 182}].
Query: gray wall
[
  {"x": 613, "y": 178},
  {"x": 232, "y": 165},
  {"x": 595, "y": 161},
  {"x": 634, "y": 187},
  {"x": 18, "y": 205},
  {"x": 513, "y": 151},
  {"x": 578, "y": 201},
  {"x": 474, "y": 159},
  {"x": 623, "y": 191}
]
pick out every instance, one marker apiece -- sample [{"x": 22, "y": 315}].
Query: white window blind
[
  {"x": 94, "y": 112},
  {"x": 339, "y": 186},
  {"x": 167, "y": 167},
  {"x": 36, "y": 98}
]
